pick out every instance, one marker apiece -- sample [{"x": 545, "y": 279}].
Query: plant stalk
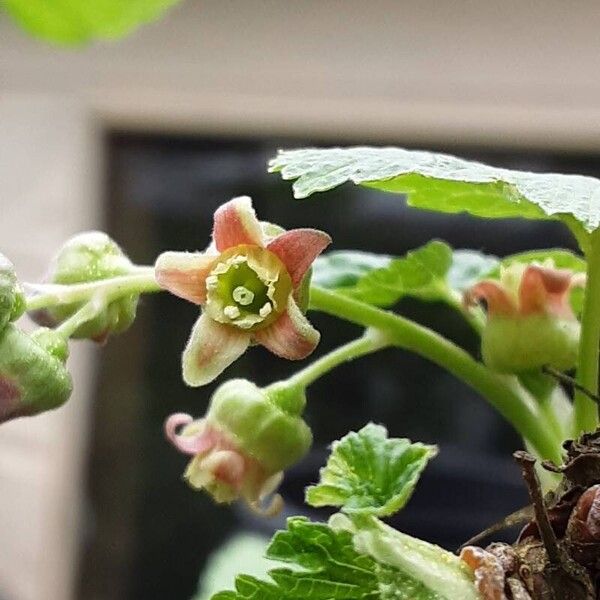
[
  {"x": 503, "y": 392},
  {"x": 586, "y": 411}
]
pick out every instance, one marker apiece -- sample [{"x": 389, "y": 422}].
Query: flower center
[{"x": 248, "y": 287}]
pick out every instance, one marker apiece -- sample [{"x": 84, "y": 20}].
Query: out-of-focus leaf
[
  {"x": 78, "y": 21},
  {"x": 369, "y": 473},
  {"x": 433, "y": 273},
  {"x": 444, "y": 183}
]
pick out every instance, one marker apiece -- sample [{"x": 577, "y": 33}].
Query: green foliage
[
  {"x": 366, "y": 560},
  {"x": 76, "y": 21},
  {"x": 370, "y": 474},
  {"x": 433, "y": 272},
  {"x": 444, "y": 183},
  {"x": 327, "y": 567}
]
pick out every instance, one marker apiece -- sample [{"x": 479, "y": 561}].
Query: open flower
[
  {"x": 248, "y": 285},
  {"x": 530, "y": 322},
  {"x": 242, "y": 446}
]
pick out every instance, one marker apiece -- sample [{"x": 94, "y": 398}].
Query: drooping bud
[
  {"x": 242, "y": 446},
  {"x": 87, "y": 257},
  {"x": 530, "y": 322},
  {"x": 33, "y": 376},
  {"x": 12, "y": 300}
]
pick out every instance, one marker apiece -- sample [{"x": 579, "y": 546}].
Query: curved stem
[
  {"x": 586, "y": 413},
  {"x": 140, "y": 281},
  {"x": 503, "y": 392},
  {"x": 86, "y": 313},
  {"x": 371, "y": 341}
]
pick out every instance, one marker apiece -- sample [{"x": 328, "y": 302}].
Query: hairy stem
[
  {"x": 46, "y": 295},
  {"x": 503, "y": 392},
  {"x": 371, "y": 341},
  {"x": 586, "y": 411}
]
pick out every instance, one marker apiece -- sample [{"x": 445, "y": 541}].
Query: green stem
[
  {"x": 586, "y": 412},
  {"x": 141, "y": 281},
  {"x": 86, "y": 313},
  {"x": 503, "y": 392},
  {"x": 290, "y": 393},
  {"x": 371, "y": 341}
]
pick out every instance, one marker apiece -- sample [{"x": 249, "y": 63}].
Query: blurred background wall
[{"x": 445, "y": 74}]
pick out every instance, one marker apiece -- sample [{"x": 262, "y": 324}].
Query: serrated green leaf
[
  {"x": 432, "y": 273},
  {"x": 328, "y": 564},
  {"x": 444, "y": 183},
  {"x": 77, "y": 21},
  {"x": 328, "y": 567},
  {"x": 369, "y": 473}
]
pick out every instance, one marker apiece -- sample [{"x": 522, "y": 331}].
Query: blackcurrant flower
[
  {"x": 530, "y": 322},
  {"x": 248, "y": 285}
]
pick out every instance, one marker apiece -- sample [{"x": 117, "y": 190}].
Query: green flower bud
[
  {"x": 244, "y": 444},
  {"x": 33, "y": 377},
  {"x": 12, "y": 300},
  {"x": 276, "y": 438},
  {"x": 87, "y": 257}
]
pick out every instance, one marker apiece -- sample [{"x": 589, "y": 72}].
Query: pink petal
[
  {"x": 291, "y": 336},
  {"x": 229, "y": 466},
  {"x": 497, "y": 300},
  {"x": 236, "y": 223},
  {"x": 212, "y": 347},
  {"x": 297, "y": 249},
  {"x": 188, "y": 444},
  {"x": 545, "y": 291},
  {"x": 184, "y": 274}
]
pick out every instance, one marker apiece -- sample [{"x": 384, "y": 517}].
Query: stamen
[
  {"x": 243, "y": 295},
  {"x": 266, "y": 310},
  {"x": 231, "y": 312},
  {"x": 211, "y": 282}
]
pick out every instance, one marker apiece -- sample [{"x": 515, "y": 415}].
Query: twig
[
  {"x": 527, "y": 463},
  {"x": 563, "y": 378}
]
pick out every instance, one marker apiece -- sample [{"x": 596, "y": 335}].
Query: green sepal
[
  {"x": 32, "y": 378},
  {"x": 12, "y": 300},
  {"x": 274, "y": 437},
  {"x": 87, "y": 257}
]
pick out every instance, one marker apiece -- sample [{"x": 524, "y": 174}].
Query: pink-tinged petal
[
  {"x": 236, "y": 223},
  {"x": 297, "y": 250},
  {"x": 212, "y": 347},
  {"x": 184, "y": 274},
  {"x": 494, "y": 295},
  {"x": 200, "y": 442},
  {"x": 291, "y": 336},
  {"x": 227, "y": 466},
  {"x": 545, "y": 291}
]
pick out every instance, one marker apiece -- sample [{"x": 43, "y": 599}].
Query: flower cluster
[{"x": 248, "y": 284}]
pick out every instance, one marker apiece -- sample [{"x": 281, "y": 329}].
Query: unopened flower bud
[
  {"x": 33, "y": 377},
  {"x": 530, "y": 322},
  {"x": 12, "y": 300},
  {"x": 242, "y": 446},
  {"x": 87, "y": 257}
]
